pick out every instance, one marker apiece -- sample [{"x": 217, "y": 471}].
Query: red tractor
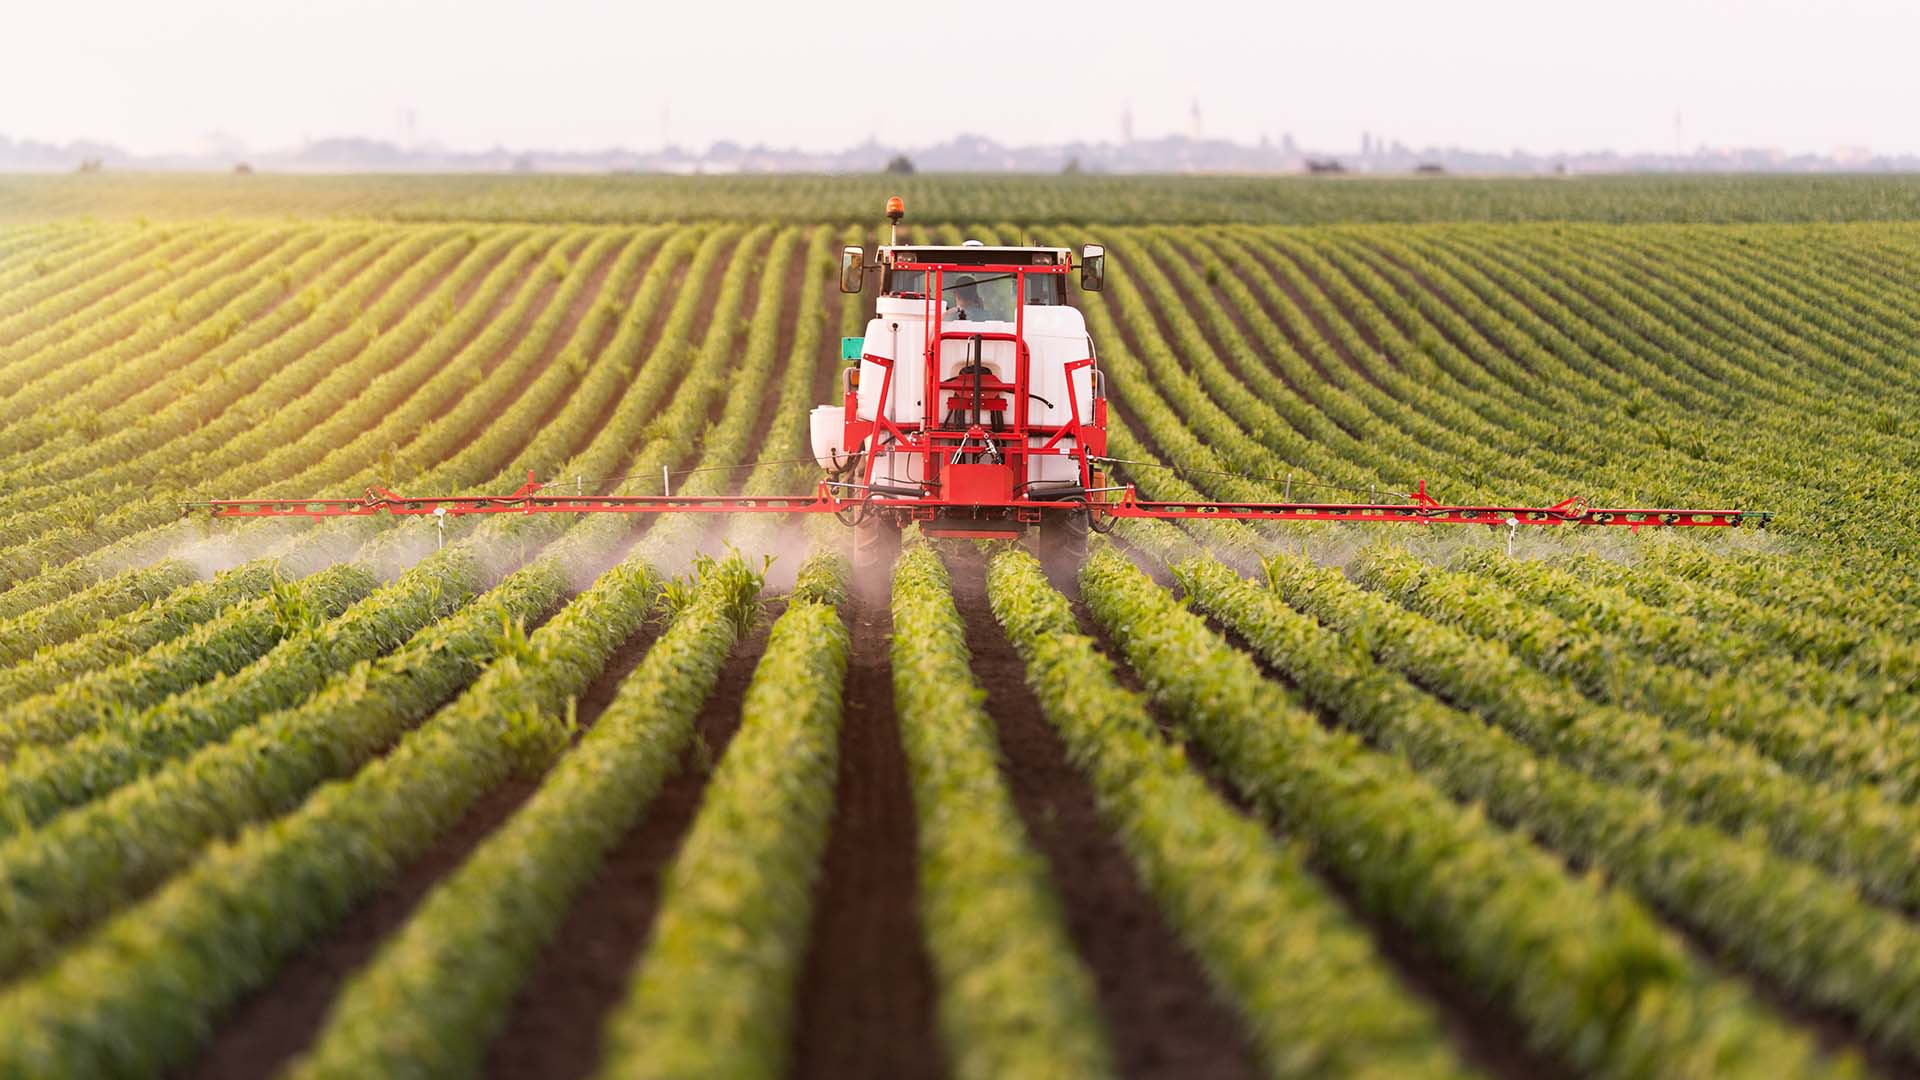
[{"x": 975, "y": 404}]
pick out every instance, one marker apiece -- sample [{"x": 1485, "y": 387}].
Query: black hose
[{"x": 979, "y": 373}]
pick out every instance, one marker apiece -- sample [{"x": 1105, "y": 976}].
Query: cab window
[
  {"x": 981, "y": 297},
  {"x": 908, "y": 283},
  {"x": 1043, "y": 289}
]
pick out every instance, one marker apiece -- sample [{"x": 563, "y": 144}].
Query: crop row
[
  {"x": 220, "y": 646},
  {"x": 79, "y": 614},
  {"x": 75, "y": 575},
  {"x": 84, "y": 864},
  {"x": 434, "y": 773},
  {"x": 122, "y": 747},
  {"x": 1814, "y": 636},
  {"x": 38, "y": 339},
  {"x": 510, "y": 896},
  {"x": 36, "y": 312},
  {"x": 1307, "y": 984},
  {"x": 79, "y": 573},
  {"x": 392, "y": 347},
  {"x": 1710, "y": 881},
  {"x": 128, "y": 635},
  {"x": 1852, "y": 830},
  {"x": 1663, "y": 637},
  {"x": 167, "y": 422},
  {"x": 1610, "y": 311},
  {"x": 1820, "y": 743},
  {"x": 1783, "y": 917},
  {"x": 44, "y": 262},
  {"x": 1886, "y": 201},
  {"x": 1015, "y": 999},
  {"x": 492, "y": 915},
  {"x": 1510, "y": 918},
  {"x": 112, "y": 1003},
  {"x": 713, "y": 992},
  {"x": 68, "y": 500},
  {"x": 158, "y": 353}
]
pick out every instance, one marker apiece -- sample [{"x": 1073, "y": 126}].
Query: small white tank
[{"x": 827, "y": 425}]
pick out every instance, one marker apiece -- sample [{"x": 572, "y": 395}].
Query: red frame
[{"x": 934, "y": 442}]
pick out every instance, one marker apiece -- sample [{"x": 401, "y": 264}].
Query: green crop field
[
  {"x": 986, "y": 199},
  {"x": 545, "y": 795}
]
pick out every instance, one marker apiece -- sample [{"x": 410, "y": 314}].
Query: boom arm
[{"x": 532, "y": 498}]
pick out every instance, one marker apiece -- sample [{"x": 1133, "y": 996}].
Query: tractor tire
[
  {"x": 876, "y": 544},
  {"x": 1062, "y": 539}
]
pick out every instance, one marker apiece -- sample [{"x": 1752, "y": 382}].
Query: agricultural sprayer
[{"x": 974, "y": 405}]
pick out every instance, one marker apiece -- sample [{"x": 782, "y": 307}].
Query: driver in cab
[{"x": 971, "y": 303}]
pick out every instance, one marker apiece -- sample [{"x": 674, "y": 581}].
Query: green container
[{"x": 851, "y": 348}]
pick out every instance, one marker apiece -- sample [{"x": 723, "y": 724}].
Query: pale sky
[{"x": 1539, "y": 75}]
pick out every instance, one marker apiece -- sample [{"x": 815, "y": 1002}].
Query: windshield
[{"x": 980, "y": 297}]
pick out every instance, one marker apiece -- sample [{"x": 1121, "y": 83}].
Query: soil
[
  {"x": 267, "y": 1030},
  {"x": 627, "y": 656},
  {"x": 1161, "y": 1014},
  {"x": 553, "y": 1027},
  {"x": 865, "y": 1006}
]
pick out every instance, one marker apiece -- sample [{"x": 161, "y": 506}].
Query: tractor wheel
[
  {"x": 1062, "y": 539},
  {"x": 876, "y": 544}
]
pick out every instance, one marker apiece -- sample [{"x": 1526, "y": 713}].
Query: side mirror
[
  {"x": 1093, "y": 268},
  {"x": 853, "y": 269}
]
